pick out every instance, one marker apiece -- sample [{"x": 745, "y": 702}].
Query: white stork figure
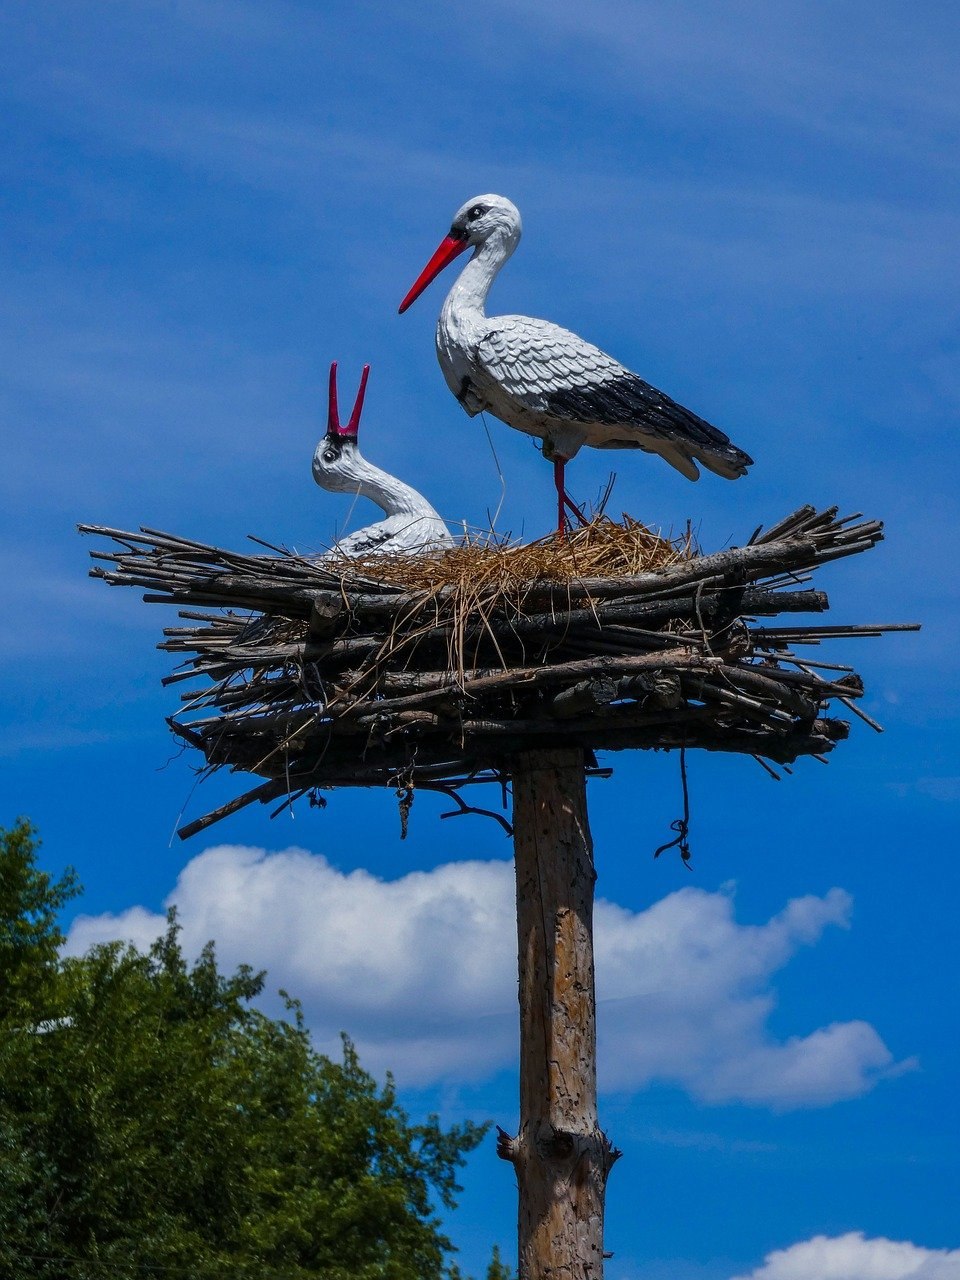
[
  {"x": 544, "y": 380},
  {"x": 411, "y": 525}
]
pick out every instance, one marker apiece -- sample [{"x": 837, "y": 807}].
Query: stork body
[
  {"x": 411, "y": 526},
  {"x": 545, "y": 380}
]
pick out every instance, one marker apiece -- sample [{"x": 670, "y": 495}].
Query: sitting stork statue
[
  {"x": 411, "y": 525},
  {"x": 546, "y": 381}
]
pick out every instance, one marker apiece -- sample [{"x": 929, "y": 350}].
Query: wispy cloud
[
  {"x": 51, "y": 610},
  {"x": 743, "y": 230},
  {"x": 945, "y": 790},
  {"x": 845, "y": 71}
]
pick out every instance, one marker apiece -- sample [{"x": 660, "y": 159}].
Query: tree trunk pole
[{"x": 561, "y": 1157}]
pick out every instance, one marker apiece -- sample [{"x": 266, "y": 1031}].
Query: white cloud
[
  {"x": 421, "y": 972},
  {"x": 853, "y": 1257}
]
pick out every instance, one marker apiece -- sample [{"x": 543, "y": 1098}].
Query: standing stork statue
[
  {"x": 411, "y": 525},
  {"x": 547, "y": 381}
]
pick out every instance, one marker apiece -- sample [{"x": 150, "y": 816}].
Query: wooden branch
[
  {"x": 311, "y": 674},
  {"x": 586, "y": 695},
  {"x": 266, "y": 792}
]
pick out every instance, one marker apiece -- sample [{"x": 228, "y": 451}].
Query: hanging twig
[{"x": 680, "y": 825}]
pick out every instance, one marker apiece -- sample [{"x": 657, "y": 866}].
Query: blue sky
[{"x": 757, "y": 207}]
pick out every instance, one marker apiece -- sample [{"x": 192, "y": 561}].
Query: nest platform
[{"x": 435, "y": 671}]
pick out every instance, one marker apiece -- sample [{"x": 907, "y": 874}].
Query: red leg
[
  {"x": 564, "y": 502},
  {"x": 558, "y": 466}
]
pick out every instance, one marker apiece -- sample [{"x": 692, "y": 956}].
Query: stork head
[
  {"x": 338, "y": 448},
  {"x": 475, "y": 222}
]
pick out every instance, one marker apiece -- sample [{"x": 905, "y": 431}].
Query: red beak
[
  {"x": 333, "y": 412},
  {"x": 449, "y": 249}
]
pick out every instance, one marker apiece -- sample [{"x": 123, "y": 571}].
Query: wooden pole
[{"x": 561, "y": 1157}]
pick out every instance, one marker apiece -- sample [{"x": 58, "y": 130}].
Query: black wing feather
[{"x": 629, "y": 400}]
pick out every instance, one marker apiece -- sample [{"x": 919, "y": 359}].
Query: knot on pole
[
  {"x": 507, "y": 1147},
  {"x": 558, "y": 1144}
]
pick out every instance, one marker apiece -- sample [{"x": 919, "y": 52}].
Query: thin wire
[
  {"x": 349, "y": 516},
  {"x": 496, "y": 462},
  {"x": 186, "y": 800}
]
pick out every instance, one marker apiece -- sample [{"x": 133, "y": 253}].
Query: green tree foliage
[
  {"x": 30, "y": 939},
  {"x": 498, "y": 1269},
  {"x": 154, "y": 1123}
]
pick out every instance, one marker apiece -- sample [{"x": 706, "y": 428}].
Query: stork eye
[
  {"x": 477, "y": 211},
  {"x": 330, "y": 455}
]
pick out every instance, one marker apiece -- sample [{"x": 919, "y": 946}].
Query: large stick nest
[{"x": 436, "y": 670}]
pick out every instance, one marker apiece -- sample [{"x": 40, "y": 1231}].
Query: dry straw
[{"x": 486, "y": 579}]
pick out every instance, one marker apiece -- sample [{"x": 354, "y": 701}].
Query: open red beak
[
  {"x": 448, "y": 249},
  {"x": 333, "y": 412}
]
